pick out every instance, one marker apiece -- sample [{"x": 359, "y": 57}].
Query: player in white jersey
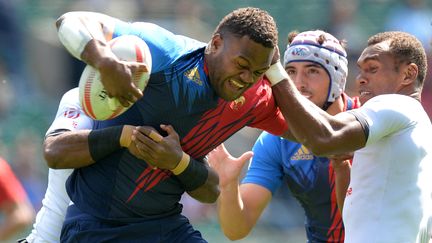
[
  {"x": 389, "y": 196},
  {"x": 49, "y": 219}
]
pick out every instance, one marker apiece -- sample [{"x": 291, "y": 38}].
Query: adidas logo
[{"x": 302, "y": 154}]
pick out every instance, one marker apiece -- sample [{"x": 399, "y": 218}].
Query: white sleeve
[
  {"x": 49, "y": 219},
  {"x": 70, "y": 115},
  {"x": 387, "y": 114}
]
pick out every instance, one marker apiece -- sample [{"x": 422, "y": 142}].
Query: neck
[
  {"x": 337, "y": 106},
  {"x": 411, "y": 92},
  {"x": 416, "y": 95}
]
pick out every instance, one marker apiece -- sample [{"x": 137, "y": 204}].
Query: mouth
[
  {"x": 364, "y": 93},
  {"x": 236, "y": 84}
]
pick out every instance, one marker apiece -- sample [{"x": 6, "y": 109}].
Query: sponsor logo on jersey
[
  {"x": 349, "y": 191},
  {"x": 194, "y": 76},
  {"x": 302, "y": 154},
  {"x": 71, "y": 113}
]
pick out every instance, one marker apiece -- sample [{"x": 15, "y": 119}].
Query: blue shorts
[{"x": 81, "y": 227}]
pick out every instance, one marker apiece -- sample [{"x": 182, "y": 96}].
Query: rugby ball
[{"x": 92, "y": 94}]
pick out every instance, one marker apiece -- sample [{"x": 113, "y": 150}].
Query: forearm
[
  {"x": 199, "y": 180},
  {"x": 209, "y": 191},
  {"x": 231, "y": 212},
  {"x": 342, "y": 179},
  {"x": 309, "y": 124},
  {"x": 16, "y": 219},
  {"x": 68, "y": 150},
  {"x": 75, "y": 149}
]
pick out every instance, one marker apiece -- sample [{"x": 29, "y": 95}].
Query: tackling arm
[
  {"x": 322, "y": 133},
  {"x": 75, "y": 149}
]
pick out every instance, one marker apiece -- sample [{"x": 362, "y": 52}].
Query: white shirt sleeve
[
  {"x": 387, "y": 114},
  {"x": 49, "y": 219},
  {"x": 70, "y": 115}
]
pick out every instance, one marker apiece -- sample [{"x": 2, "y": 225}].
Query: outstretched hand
[{"x": 227, "y": 166}]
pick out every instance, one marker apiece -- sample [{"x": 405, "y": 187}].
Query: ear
[
  {"x": 216, "y": 43},
  {"x": 410, "y": 74}
]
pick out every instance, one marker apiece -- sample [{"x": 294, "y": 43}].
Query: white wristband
[
  {"x": 276, "y": 73},
  {"x": 74, "y": 33}
]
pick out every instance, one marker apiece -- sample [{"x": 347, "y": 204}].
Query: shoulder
[
  {"x": 71, "y": 97},
  {"x": 392, "y": 103}
]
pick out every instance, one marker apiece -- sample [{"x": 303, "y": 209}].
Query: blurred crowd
[{"x": 35, "y": 70}]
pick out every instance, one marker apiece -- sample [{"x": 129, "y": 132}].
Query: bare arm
[
  {"x": 322, "y": 133},
  {"x": 71, "y": 149},
  {"x": 67, "y": 150},
  {"x": 17, "y": 216},
  {"x": 209, "y": 192},
  {"x": 239, "y": 206},
  {"x": 85, "y": 36},
  {"x": 289, "y": 136},
  {"x": 342, "y": 170}
]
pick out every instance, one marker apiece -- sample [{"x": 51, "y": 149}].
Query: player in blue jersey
[
  {"x": 130, "y": 172},
  {"x": 316, "y": 62},
  {"x": 389, "y": 195}
]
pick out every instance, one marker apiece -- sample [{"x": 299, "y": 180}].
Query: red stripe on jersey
[
  {"x": 336, "y": 232},
  {"x": 256, "y": 108}
]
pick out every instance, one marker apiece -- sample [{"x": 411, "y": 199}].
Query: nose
[
  {"x": 299, "y": 81},
  {"x": 360, "y": 79}
]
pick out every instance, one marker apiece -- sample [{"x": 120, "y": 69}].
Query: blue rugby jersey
[
  {"x": 309, "y": 178},
  {"x": 122, "y": 188}
]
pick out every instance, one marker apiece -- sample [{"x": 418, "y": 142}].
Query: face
[
  {"x": 377, "y": 74},
  {"x": 235, "y": 64},
  {"x": 311, "y": 80}
]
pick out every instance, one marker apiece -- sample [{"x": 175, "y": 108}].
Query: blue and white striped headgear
[{"x": 330, "y": 55}]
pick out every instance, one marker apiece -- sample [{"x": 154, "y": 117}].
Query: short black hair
[
  {"x": 253, "y": 22},
  {"x": 406, "y": 48}
]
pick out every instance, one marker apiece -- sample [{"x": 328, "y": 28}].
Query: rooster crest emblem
[
  {"x": 193, "y": 75},
  {"x": 238, "y": 103}
]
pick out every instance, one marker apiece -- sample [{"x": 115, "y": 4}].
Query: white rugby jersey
[
  {"x": 389, "y": 196},
  {"x": 49, "y": 219}
]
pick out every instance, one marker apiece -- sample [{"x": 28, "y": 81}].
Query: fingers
[
  {"x": 139, "y": 67},
  {"x": 125, "y": 100},
  {"x": 222, "y": 147},
  {"x": 130, "y": 96},
  {"x": 170, "y": 131},
  {"x": 134, "y": 93},
  {"x": 154, "y": 135},
  {"x": 147, "y": 135}
]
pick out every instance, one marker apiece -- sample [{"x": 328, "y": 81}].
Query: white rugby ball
[{"x": 92, "y": 94}]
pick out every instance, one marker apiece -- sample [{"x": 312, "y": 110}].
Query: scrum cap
[{"x": 330, "y": 55}]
